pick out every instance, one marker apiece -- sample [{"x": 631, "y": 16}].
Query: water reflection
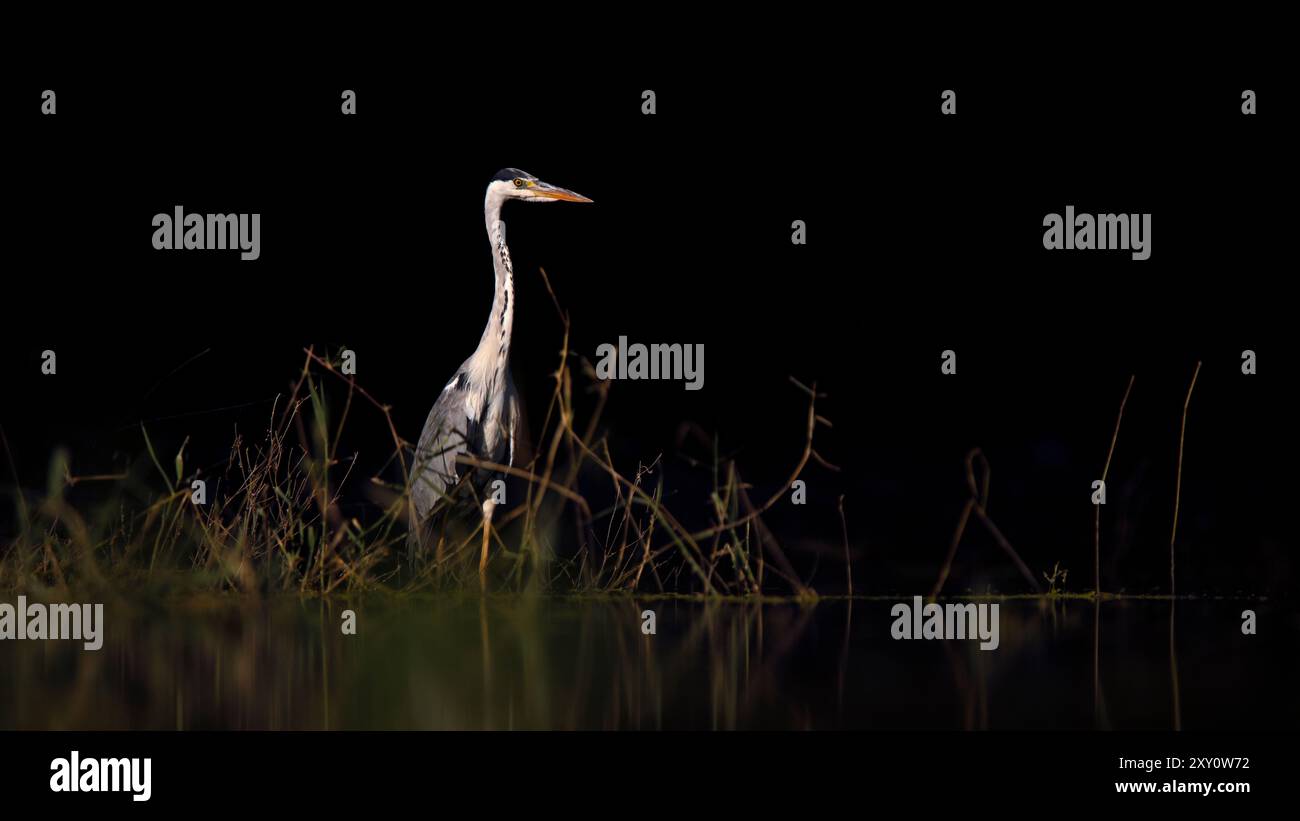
[{"x": 550, "y": 663}]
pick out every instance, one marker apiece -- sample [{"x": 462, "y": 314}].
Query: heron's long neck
[{"x": 494, "y": 348}]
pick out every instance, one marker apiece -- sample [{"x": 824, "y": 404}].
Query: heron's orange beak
[{"x": 542, "y": 189}]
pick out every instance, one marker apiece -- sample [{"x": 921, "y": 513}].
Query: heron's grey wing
[{"x": 447, "y": 434}]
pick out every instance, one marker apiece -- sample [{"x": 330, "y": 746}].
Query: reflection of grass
[
  {"x": 213, "y": 661},
  {"x": 449, "y": 662},
  {"x": 273, "y": 518}
]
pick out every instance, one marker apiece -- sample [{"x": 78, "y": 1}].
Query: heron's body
[{"x": 477, "y": 412}]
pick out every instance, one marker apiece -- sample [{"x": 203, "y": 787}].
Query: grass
[
  {"x": 978, "y": 502},
  {"x": 273, "y": 518}
]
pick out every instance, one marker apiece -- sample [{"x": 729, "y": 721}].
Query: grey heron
[{"x": 477, "y": 412}]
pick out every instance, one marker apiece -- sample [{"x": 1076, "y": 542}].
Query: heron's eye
[{"x": 519, "y": 183}]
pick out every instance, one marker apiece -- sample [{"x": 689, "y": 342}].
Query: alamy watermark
[
  {"x": 53, "y": 622},
  {"x": 1103, "y": 232},
  {"x": 208, "y": 232},
  {"x": 638, "y": 361},
  {"x": 954, "y": 620},
  {"x": 77, "y": 774}
]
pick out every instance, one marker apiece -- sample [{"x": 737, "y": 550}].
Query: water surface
[{"x": 568, "y": 663}]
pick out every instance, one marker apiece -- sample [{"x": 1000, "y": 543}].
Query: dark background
[{"x": 925, "y": 233}]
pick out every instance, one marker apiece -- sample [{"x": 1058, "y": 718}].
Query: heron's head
[{"x": 513, "y": 184}]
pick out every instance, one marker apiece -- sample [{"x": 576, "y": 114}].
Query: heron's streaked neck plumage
[{"x": 493, "y": 353}]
